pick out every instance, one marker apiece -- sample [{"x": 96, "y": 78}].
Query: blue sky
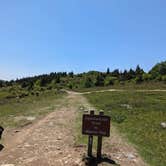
[{"x": 42, "y": 36}]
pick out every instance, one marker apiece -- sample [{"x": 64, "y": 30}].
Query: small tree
[
  {"x": 138, "y": 79},
  {"x": 24, "y": 84},
  {"x": 115, "y": 73},
  {"x": 99, "y": 80},
  {"x": 70, "y": 85},
  {"x": 1, "y": 84},
  {"x": 131, "y": 74},
  {"x": 108, "y": 71},
  {"x": 88, "y": 82},
  {"x": 110, "y": 81},
  {"x": 71, "y": 74},
  {"x": 30, "y": 85},
  {"x": 164, "y": 78},
  {"x": 146, "y": 77},
  {"x": 139, "y": 71}
]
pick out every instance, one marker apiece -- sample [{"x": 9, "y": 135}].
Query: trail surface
[
  {"x": 51, "y": 141},
  {"x": 122, "y": 90}
]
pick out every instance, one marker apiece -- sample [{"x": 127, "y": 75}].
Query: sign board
[{"x": 96, "y": 125}]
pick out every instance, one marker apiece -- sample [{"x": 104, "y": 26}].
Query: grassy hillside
[
  {"x": 127, "y": 86},
  {"x": 91, "y": 79},
  {"x": 138, "y": 116},
  {"x": 19, "y": 105}
]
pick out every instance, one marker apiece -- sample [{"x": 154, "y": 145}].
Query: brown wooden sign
[{"x": 96, "y": 125}]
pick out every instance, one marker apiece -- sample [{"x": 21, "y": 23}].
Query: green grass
[
  {"x": 79, "y": 138},
  {"x": 138, "y": 116},
  {"x": 31, "y": 105},
  {"x": 126, "y": 86}
]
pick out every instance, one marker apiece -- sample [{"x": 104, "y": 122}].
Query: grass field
[
  {"x": 14, "y": 110},
  {"x": 127, "y": 86},
  {"x": 138, "y": 116}
]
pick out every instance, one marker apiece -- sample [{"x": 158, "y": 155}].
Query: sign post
[
  {"x": 90, "y": 140},
  {"x": 99, "y": 142},
  {"x": 96, "y": 125}
]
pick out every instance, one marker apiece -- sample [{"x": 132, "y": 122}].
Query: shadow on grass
[
  {"x": 1, "y": 147},
  {"x": 93, "y": 161}
]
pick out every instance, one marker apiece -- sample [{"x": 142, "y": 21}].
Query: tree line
[{"x": 90, "y": 79}]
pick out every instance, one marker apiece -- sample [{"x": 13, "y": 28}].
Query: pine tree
[{"x": 108, "y": 71}]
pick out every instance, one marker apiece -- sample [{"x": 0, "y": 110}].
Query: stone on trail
[
  {"x": 163, "y": 125},
  {"x": 30, "y": 118},
  {"x": 130, "y": 156},
  {"x": 51, "y": 124}
]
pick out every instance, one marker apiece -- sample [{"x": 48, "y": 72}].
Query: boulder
[{"x": 163, "y": 125}]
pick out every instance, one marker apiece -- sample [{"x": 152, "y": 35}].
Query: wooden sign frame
[{"x": 96, "y": 125}]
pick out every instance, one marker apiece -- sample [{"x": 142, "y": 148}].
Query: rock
[
  {"x": 27, "y": 145},
  {"x": 118, "y": 156},
  {"x": 130, "y": 156},
  {"x": 59, "y": 138},
  {"x": 17, "y": 131},
  {"x": 77, "y": 161},
  {"x": 30, "y": 118},
  {"x": 163, "y": 125},
  {"x": 127, "y": 106},
  {"x": 51, "y": 124}
]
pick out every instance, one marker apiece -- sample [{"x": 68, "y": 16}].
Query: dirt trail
[
  {"x": 121, "y": 90},
  {"x": 50, "y": 141}
]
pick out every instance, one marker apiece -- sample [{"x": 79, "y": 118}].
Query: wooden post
[
  {"x": 99, "y": 142},
  {"x": 90, "y": 140}
]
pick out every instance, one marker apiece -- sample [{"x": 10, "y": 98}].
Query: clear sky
[{"x": 42, "y": 36}]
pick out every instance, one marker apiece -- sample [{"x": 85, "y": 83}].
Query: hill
[{"x": 89, "y": 79}]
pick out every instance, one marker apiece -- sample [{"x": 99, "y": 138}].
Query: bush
[
  {"x": 32, "y": 93},
  {"x": 88, "y": 82},
  {"x": 110, "y": 81},
  {"x": 119, "y": 118},
  {"x": 70, "y": 86},
  {"x": 37, "y": 93},
  {"x": 146, "y": 77},
  {"x": 49, "y": 87},
  {"x": 138, "y": 79},
  {"x": 164, "y": 78}
]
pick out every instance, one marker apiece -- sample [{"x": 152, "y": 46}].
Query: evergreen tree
[
  {"x": 71, "y": 74},
  {"x": 115, "y": 73},
  {"x": 108, "y": 71},
  {"x": 131, "y": 74},
  {"x": 88, "y": 82},
  {"x": 99, "y": 80},
  {"x": 139, "y": 71}
]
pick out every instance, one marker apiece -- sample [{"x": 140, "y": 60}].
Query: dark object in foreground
[
  {"x": 93, "y": 161},
  {"x": 1, "y": 131},
  {"x": 1, "y": 147}
]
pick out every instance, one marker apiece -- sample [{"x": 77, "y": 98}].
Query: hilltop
[{"x": 90, "y": 79}]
